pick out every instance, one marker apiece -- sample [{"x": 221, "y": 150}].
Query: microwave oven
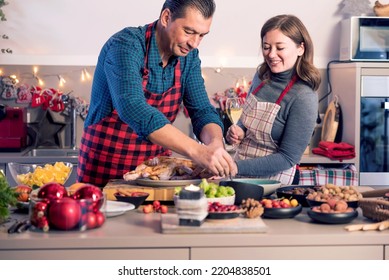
[{"x": 364, "y": 38}]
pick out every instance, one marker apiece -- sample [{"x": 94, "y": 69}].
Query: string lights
[{"x": 40, "y": 78}]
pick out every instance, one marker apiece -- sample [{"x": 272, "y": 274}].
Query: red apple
[
  {"x": 64, "y": 213},
  {"x": 52, "y": 191}
]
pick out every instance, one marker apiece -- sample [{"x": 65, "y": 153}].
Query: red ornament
[
  {"x": 52, "y": 191},
  {"x": 91, "y": 220},
  {"x": 91, "y": 193},
  {"x": 100, "y": 218},
  {"x": 64, "y": 213}
]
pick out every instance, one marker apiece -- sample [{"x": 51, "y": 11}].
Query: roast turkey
[{"x": 167, "y": 168}]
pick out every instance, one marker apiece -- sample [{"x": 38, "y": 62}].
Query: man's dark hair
[{"x": 178, "y": 7}]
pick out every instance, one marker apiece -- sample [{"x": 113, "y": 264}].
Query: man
[{"x": 142, "y": 76}]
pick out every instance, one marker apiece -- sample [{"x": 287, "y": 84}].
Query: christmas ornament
[
  {"x": 52, "y": 191},
  {"x": 64, "y": 213},
  {"x": 93, "y": 193}
]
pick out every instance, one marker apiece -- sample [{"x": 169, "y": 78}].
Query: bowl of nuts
[
  {"x": 333, "y": 212},
  {"x": 332, "y": 192}
]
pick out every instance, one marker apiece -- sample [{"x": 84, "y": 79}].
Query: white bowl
[
  {"x": 269, "y": 186},
  {"x": 227, "y": 200}
]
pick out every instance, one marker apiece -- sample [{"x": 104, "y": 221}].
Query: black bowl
[
  {"x": 290, "y": 192},
  {"x": 136, "y": 200},
  {"x": 333, "y": 218},
  {"x": 282, "y": 213},
  {"x": 312, "y": 203},
  {"x": 244, "y": 190}
]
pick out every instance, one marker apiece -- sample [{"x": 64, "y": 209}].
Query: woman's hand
[{"x": 235, "y": 135}]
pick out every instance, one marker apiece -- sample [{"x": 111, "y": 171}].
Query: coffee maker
[{"x": 13, "y": 128}]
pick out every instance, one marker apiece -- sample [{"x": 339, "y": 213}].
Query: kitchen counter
[{"x": 135, "y": 235}]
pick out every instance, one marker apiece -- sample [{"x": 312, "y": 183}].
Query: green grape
[
  {"x": 221, "y": 192},
  {"x": 177, "y": 190},
  {"x": 230, "y": 191},
  {"x": 211, "y": 192}
]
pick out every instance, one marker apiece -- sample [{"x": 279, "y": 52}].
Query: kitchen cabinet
[
  {"x": 100, "y": 254},
  {"x": 363, "y": 92},
  {"x": 289, "y": 252},
  {"x": 135, "y": 235}
]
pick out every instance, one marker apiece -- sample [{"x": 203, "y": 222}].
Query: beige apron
[{"x": 258, "y": 118}]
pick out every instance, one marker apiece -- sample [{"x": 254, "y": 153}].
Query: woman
[{"x": 280, "y": 112}]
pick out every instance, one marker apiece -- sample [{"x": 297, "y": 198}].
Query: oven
[{"x": 374, "y": 131}]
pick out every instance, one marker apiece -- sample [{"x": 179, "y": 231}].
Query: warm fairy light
[
  {"x": 244, "y": 82},
  {"x": 35, "y": 70},
  {"x": 85, "y": 75},
  {"x": 62, "y": 81},
  {"x": 40, "y": 81},
  {"x": 1, "y": 72},
  {"x": 13, "y": 77}
]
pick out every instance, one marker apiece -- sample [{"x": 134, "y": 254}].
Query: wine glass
[{"x": 234, "y": 109}]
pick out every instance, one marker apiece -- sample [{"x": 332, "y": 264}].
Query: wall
[
  {"x": 63, "y": 37},
  {"x": 72, "y": 32}
]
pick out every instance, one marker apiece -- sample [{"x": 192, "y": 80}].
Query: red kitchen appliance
[{"x": 13, "y": 128}]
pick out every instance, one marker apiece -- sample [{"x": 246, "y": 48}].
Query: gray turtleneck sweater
[{"x": 292, "y": 129}]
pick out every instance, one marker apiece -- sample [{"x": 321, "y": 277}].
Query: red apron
[
  {"x": 110, "y": 148},
  {"x": 258, "y": 118}
]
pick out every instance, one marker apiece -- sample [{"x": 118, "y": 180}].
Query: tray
[{"x": 169, "y": 223}]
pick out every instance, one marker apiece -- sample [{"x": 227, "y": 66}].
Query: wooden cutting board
[
  {"x": 160, "y": 193},
  {"x": 169, "y": 224},
  {"x": 331, "y": 122}
]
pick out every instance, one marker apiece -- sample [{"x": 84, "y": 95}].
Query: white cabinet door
[{"x": 290, "y": 253}]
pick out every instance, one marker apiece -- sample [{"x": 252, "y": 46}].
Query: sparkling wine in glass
[{"x": 234, "y": 109}]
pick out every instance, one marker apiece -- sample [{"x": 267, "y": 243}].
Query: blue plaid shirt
[{"x": 117, "y": 84}]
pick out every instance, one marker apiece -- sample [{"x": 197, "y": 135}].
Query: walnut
[{"x": 252, "y": 208}]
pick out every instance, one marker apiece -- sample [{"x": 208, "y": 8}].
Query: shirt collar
[{"x": 155, "y": 53}]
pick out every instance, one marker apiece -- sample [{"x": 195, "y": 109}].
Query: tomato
[{"x": 23, "y": 192}]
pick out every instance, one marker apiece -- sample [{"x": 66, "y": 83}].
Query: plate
[
  {"x": 333, "y": 218},
  {"x": 295, "y": 192},
  {"x": 116, "y": 208},
  {"x": 223, "y": 215},
  {"x": 166, "y": 183},
  {"x": 282, "y": 213}
]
